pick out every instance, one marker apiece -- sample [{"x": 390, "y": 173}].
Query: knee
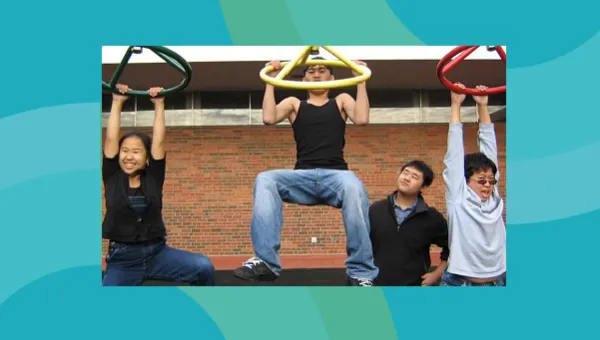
[
  {"x": 265, "y": 178},
  {"x": 204, "y": 266}
]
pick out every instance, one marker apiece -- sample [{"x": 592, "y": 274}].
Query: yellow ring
[{"x": 365, "y": 73}]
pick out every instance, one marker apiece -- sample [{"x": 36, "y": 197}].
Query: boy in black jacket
[{"x": 403, "y": 228}]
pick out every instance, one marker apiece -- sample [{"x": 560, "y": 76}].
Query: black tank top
[{"x": 319, "y": 132}]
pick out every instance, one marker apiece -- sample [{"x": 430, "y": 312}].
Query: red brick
[{"x": 211, "y": 172}]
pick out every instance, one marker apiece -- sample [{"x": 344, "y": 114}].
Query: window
[
  {"x": 391, "y": 98},
  {"x": 441, "y": 98},
  {"x": 497, "y": 99},
  {"x": 175, "y": 101},
  {"x": 280, "y": 94},
  {"x": 437, "y": 98},
  {"x": 222, "y": 100},
  {"x": 129, "y": 105},
  {"x": 256, "y": 98}
]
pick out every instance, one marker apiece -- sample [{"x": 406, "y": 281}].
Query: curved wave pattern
[
  {"x": 71, "y": 304},
  {"x": 339, "y": 308},
  {"x": 276, "y": 310},
  {"x": 246, "y": 29},
  {"x": 532, "y": 39},
  {"x": 53, "y": 223},
  {"x": 50, "y": 140},
  {"x": 548, "y": 110},
  {"x": 546, "y": 189},
  {"x": 356, "y": 25}
]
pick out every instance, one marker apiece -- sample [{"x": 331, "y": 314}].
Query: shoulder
[
  {"x": 380, "y": 204},
  {"x": 436, "y": 215},
  {"x": 117, "y": 180},
  {"x": 158, "y": 161},
  {"x": 344, "y": 98},
  {"x": 291, "y": 100}
]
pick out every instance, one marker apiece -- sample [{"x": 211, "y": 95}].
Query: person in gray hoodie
[{"x": 476, "y": 229}]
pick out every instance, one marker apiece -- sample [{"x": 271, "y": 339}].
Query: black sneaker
[
  {"x": 255, "y": 269},
  {"x": 359, "y": 282}
]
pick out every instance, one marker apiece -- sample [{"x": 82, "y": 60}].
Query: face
[
  {"x": 482, "y": 183},
  {"x": 410, "y": 182},
  {"x": 318, "y": 73},
  {"x": 132, "y": 156}
]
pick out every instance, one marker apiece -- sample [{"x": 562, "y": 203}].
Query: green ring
[{"x": 169, "y": 56}]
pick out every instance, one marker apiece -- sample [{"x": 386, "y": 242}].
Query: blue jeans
[
  {"x": 335, "y": 188},
  {"x": 131, "y": 265},
  {"x": 449, "y": 279}
]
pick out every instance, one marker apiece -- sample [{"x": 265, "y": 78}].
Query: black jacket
[{"x": 401, "y": 252}]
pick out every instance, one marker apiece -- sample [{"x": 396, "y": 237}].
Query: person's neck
[
  {"x": 318, "y": 99},
  {"x": 404, "y": 201},
  {"x": 134, "y": 181}
]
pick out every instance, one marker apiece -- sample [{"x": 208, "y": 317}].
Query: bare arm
[
  {"x": 484, "y": 114},
  {"x": 439, "y": 271},
  {"x": 113, "y": 128},
  {"x": 276, "y": 113},
  {"x": 159, "y": 126},
  {"x": 358, "y": 111}
]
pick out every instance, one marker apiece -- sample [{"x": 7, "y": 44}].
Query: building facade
[{"x": 217, "y": 144}]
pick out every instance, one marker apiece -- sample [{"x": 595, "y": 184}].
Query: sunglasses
[{"x": 483, "y": 181}]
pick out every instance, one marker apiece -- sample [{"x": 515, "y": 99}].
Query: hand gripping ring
[
  {"x": 172, "y": 58},
  {"x": 447, "y": 63},
  {"x": 302, "y": 60}
]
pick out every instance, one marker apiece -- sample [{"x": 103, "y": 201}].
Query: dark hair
[
  {"x": 330, "y": 68},
  {"x": 146, "y": 140},
  {"x": 476, "y": 162},
  {"x": 423, "y": 168}
]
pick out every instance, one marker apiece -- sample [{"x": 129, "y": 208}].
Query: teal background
[{"x": 50, "y": 173}]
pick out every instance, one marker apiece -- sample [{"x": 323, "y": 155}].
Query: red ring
[{"x": 441, "y": 70}]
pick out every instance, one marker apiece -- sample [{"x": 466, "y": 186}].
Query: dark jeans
[{"x": 132, "y": 264}]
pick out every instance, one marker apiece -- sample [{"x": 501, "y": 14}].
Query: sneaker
[
  {"x": 255, "y": 269},
  {"x": 359, "y": 282}
]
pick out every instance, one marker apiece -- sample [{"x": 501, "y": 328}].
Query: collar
[{"x": 419, "y": 205}]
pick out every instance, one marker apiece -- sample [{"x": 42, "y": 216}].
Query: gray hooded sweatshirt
[{"x": 476, "y": 229}]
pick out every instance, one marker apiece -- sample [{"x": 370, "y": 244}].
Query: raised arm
[
  {"x": 274, "y": 113},
  {"x": 357, "y": 110},
  {"x": 454, "y": 171},
  {"x": 159, "y": 126},
  {"x": 487, "y": 136},
  {"x": 113, "y": 127}
]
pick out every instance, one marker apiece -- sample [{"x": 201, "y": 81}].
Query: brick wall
[{"x": 211, "y": 172}]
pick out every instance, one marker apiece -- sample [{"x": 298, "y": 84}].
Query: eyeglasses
[{"x": 483, "y": 181}]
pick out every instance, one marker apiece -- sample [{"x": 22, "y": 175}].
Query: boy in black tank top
[
  {"x": 133, "y": 173},
  {"x": 320, "y": 177}
]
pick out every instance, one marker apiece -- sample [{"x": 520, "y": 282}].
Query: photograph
[{"x": 303, "y": 166}]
